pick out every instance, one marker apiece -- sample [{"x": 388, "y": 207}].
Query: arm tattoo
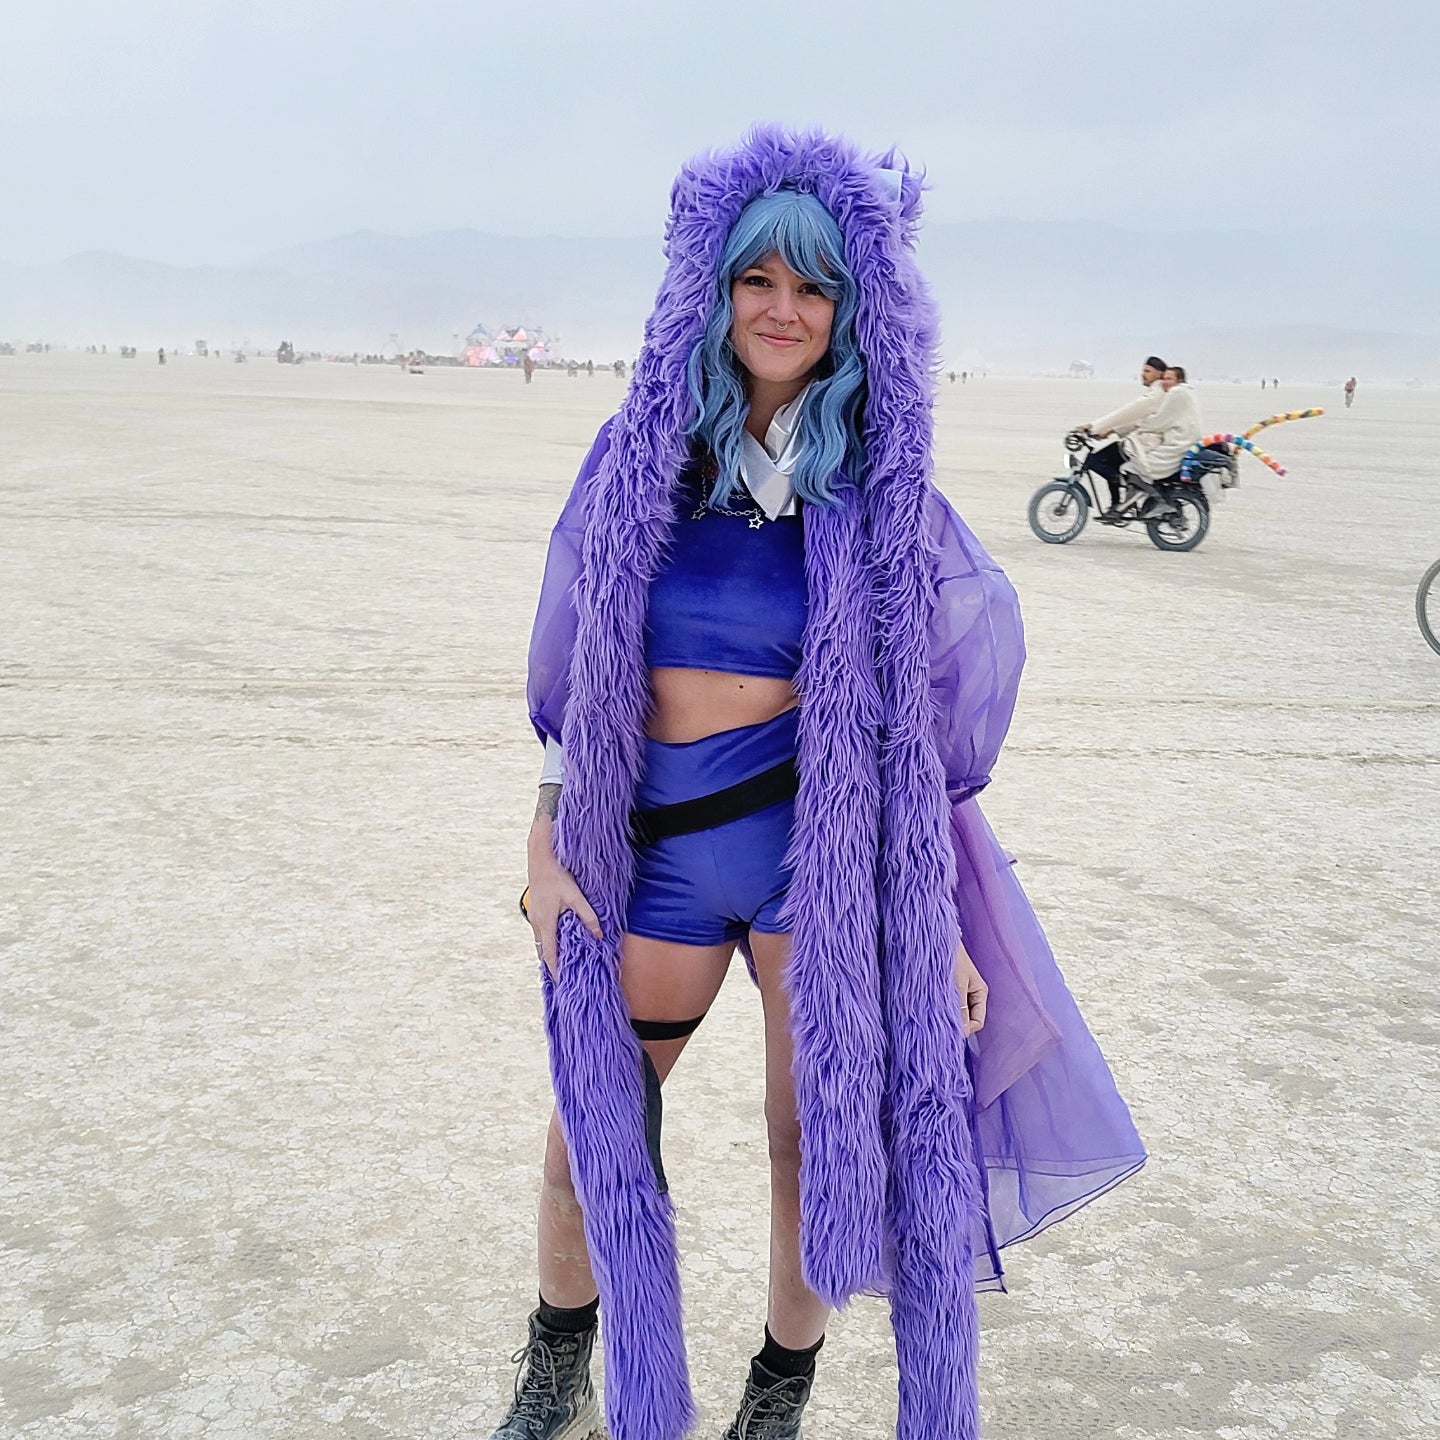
[{"x": 548, "y": 806}]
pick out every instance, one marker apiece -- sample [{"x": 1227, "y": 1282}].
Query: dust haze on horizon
[{"x": 212, "y": 131}]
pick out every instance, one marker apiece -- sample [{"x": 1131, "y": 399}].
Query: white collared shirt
[{"x": 767, "y": 469}]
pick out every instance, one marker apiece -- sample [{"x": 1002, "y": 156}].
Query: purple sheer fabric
[
  {"x": 977, "y": 650},
  {"x": 1048, "y": 1121},
  {"x": 552, "y": 639}
]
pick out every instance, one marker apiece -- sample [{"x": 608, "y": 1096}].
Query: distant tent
[{"x": 505, "y": 347}]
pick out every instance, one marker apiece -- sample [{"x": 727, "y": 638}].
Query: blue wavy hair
[{"x": 802, "y": 232}]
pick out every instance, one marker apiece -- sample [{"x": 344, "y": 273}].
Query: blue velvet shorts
[{"x": 711, "y": 887}]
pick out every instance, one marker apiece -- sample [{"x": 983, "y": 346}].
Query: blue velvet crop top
[{"x": 728, "y": 597}]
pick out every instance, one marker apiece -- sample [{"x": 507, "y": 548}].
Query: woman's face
[
  {"x": 1169, "y": 380},
  {"x": 782, "y": 323}
]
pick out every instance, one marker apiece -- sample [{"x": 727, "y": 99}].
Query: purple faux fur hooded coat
[{"x": 922, "y": 1154}]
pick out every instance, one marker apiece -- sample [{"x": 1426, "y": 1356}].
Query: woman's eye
[{"x": 756, "y": 280}]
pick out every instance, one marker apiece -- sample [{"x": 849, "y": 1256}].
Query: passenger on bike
[
  {"x": 1107, "y": 460},
  {"x": 1155, "y": 448}
]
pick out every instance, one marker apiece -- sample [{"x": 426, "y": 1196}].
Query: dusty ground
[{"x": 274, "y": 1081}]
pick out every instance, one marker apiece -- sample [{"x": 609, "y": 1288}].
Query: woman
[
  {"x": 1159, "y": 443},
  {"x": 781, "y": 667}
]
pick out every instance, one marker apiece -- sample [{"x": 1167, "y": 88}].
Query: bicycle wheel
[
  {"x": 1184, "y": 527},
  {"x": 1058, "y": 512},
  {"x": 1427, "y": 606}
]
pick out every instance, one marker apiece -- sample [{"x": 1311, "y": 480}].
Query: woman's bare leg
[
  {"x": 662, "y": 981},
  {"x": 796, "y": 1315}
]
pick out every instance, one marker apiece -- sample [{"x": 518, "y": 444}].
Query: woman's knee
[
  {"x": 782, "y": 1130},
  {"x": 558, "y": 1182}
]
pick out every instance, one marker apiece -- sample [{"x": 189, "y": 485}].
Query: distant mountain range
[{"x": 1015, "y": 295}]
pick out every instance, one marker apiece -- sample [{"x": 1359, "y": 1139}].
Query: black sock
[
  {"x": 777, "y": 1361},
  {"x": 569, "y": 1322}
]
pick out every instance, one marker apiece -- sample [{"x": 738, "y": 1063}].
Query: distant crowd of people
[
  {"x": 1145, "y": 432},
  {"x": 572, "y": 368}
]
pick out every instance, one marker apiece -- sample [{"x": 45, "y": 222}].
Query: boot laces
[
  {"x": 537, "y": 1386},
  {"x": 772, "y": 1404}
]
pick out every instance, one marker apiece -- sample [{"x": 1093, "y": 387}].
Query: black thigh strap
[
  {"x": 707, "y": 812},
  {"x": 665, "y": 1029}
]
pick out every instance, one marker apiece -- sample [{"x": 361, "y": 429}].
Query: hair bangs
[{"x": 798, "y": 229}]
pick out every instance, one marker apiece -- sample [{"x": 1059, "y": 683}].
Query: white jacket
[
  {"x": 1158, "y": 444},
  {"x": 1127, "y": 417}
]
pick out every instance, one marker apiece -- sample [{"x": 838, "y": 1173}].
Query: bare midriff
[{"x": 691, "y": 704}]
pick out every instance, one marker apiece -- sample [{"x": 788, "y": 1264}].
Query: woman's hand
[
  {"x": 552, "y": 890},
  {"x": 973, "y": 990}
]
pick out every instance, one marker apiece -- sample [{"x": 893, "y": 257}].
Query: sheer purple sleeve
[
  {"x": 977, "y": 650},
  {"x": 552, "y": 640}
]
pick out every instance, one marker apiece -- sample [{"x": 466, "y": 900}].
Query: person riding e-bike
[{"x": 1107, "y": 460}]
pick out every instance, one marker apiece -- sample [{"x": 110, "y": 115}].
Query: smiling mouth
[{"x": 781, "y": 339}]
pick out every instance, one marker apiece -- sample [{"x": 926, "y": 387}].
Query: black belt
[{"x": 707, "y": 812}]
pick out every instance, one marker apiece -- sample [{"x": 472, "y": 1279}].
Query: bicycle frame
[{"x": 1087, "y": 481}]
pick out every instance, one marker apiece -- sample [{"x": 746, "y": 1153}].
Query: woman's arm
[{"x": 552, "y": 889}]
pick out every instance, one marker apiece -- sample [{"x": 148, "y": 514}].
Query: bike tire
[
  {"x": 1429, "y": 589},
  {"x": 1060, "y": 490},
  {"x": 1161, "y": 538}
]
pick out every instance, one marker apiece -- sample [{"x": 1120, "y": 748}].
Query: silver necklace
[{"x": 753, "y": 513}]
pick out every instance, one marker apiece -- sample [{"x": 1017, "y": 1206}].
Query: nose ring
[{"x": 782, "y": 324}]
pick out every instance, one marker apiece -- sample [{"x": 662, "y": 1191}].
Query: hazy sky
[{"x": 212, "y": 130}]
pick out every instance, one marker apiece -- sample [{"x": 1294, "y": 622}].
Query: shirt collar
[{"x": 767, "y": 469}]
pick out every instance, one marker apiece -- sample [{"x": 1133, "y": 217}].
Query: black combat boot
[
  {"x": 771, "y": 1407},
  {"x": 554, "y": 1399}
]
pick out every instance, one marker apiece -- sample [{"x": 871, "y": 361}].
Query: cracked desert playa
[{"x": 273, "y": 1074}]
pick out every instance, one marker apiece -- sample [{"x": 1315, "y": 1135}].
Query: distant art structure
[{"x": 507, "y": 347}]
